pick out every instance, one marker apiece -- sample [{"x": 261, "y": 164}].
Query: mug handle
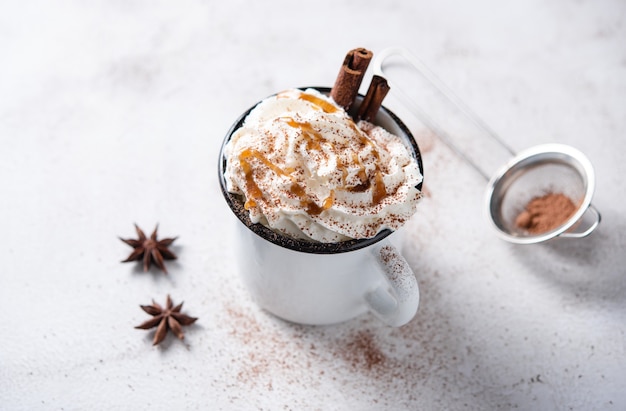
[{"x": 395, "y": 301}]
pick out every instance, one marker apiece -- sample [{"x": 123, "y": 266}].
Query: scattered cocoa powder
[
  {"x": 362, "y": 352},
  {"x": 545, "y": 213},
  {"x": 375, "y": 366}
]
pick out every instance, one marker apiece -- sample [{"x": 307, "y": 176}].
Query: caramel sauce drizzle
[
  {"x": 255, "y": 193},
  {"x": 311, "y": 207},
  {"x": 321, "y": 103},
  {"x": 364, "y": 139},
  {"x": 380, "y": 191},
  {"x": 314, "y": 139}
]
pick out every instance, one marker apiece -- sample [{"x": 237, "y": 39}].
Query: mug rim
[{"x": 236, "y": 205}]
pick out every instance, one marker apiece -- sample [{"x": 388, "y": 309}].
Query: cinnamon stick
[
  {"x": 350, "y": 77},
  {"x": 372, "y": 101}
]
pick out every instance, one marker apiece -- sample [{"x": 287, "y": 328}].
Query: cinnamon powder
[
  {"x": 545, "y": 213},
  {"x": 362, "y": 352}
]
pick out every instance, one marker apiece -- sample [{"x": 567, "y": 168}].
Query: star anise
[
  {"x": 150, "y": 249},
  {"x": 168, "y": 318}
]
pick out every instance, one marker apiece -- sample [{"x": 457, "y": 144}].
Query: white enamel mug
[{"x": 324, "y": 283}]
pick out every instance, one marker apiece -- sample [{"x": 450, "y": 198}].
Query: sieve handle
[
  {"x": 592, "y": 226},
  {"x": 460, "y": 128}
]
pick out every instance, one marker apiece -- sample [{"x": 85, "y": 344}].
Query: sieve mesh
[{"x": 532, "y": 181}]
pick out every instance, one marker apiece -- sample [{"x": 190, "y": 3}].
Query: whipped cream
[{"x": 307, "y": 170}]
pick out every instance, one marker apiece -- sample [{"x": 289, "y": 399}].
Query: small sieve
[{"x": 514, "y": 179}]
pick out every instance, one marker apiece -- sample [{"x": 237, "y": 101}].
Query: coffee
[{"x": 306, "y": 170}]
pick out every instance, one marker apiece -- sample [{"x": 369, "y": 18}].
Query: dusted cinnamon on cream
[{"x": 306, "y": 169}]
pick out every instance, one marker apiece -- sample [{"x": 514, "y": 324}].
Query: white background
[{"x": 113, "y": 113}]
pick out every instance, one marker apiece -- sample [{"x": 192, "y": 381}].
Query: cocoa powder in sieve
[{"x": 545, "y": 213}]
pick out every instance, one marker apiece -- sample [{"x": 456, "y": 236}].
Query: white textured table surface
[{"x": 113, "y": 113}]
